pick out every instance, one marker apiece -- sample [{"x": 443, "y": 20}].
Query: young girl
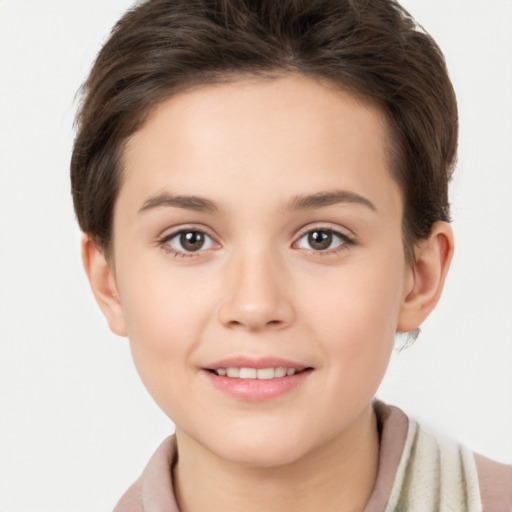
[{"x": 262, "y": 188}]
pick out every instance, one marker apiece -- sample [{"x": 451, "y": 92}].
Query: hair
[{"x": 372, "y": 48}]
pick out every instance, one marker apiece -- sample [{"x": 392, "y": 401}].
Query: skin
[{"x": 258, "y": 287}]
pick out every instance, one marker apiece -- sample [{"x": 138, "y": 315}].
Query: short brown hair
[{"x": 370, "y": 47}]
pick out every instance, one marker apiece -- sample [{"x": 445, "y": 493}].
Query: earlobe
[
  {"x": 428, "y": 274},
  {"x": 103, "y": 285}
]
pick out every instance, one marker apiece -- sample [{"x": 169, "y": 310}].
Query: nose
[{"x": 258, "y": 294}]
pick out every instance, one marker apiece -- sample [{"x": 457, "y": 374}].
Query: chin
[
  {"x": 260, "y": 448},
  {"x": 258, "y": 456}
]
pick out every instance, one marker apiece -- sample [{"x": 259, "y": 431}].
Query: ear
[
  {"x": 426, "y": 277},
  {"x": 103, "y": 285}
]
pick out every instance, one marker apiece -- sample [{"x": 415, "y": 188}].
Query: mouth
[
  {"x": 257, "y": 380},
  {"x": 270, "y": 373}
]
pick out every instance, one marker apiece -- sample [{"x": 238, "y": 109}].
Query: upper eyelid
[
  {"x": 343, "y": 232},
  {"x": 169, "y": 233},
  {"x": 344, "y": 238}
]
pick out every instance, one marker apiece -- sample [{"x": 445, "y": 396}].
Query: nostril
[{"x": 255, "y": 312}]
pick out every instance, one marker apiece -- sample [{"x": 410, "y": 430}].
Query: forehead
[{"x": 289, "y": 135}]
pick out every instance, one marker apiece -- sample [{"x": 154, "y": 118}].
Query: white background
[{"x": 76, "y": 425}]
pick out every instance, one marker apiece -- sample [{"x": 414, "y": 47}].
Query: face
[{"x": 258, "y": 234}]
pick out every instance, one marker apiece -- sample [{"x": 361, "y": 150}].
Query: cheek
[
  {"x": 357, "y": 317},
  {"x": 159, "y": 300},
  {"x": 163, "y": 311}
]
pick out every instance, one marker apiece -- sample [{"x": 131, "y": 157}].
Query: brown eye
[
  {"x": 192, "y": 240},
  {"x": 188, "y": 241},
  {"x": 322, "y": 240}
]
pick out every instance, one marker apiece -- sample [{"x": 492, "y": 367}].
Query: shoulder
[
  {"x": 438, "y": 473},
  {"x": 154, "y": 489},
  {"x": 131, "y": 500},
  {"x": 491, "y": 481},
  {"x": 495, "y": 481}
]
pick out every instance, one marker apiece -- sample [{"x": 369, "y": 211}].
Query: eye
[
  {"x": 187, "y": 241},
  {"x": 322, "y": 240}
]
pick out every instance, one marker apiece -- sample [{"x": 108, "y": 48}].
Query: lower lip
[{"x": 256, "y": 390}]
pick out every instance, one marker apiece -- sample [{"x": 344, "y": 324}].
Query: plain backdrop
[{"x": 76, "y": 424}]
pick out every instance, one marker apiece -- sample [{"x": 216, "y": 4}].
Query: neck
[{"x": 338, "y": 476}]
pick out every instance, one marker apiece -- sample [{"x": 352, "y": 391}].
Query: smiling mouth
[{"x": 257, "y": 373}]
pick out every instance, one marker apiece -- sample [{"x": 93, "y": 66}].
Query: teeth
[
  {"x": 266, "y": 373},
  {"x": 248, "y": 373},
  {"x": 233, "y": 372},
  {"x": 253, "y": 373},
  {"x": 280, "y": 372}
]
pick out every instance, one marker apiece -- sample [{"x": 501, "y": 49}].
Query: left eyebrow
[
  {"x": 322, "y": 199},
  {"x": 195, "y": 203}
]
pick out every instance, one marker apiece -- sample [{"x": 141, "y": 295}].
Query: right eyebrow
[
  {"x": 196, "y": 203},
  {"x": 323, "y": 199}
]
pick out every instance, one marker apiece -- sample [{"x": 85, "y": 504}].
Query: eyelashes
[
  {"x": 187, "y": 242},
  {"x": 191, "y": 242},
  {"x": 323, "y": 240}
]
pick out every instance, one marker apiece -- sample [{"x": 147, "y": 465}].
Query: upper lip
[{"x": 258, "y": 363}]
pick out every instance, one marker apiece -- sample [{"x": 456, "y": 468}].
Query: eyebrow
[
  {"x": 196, "y": 203},
  {"x": 322, "y": 199},
  {"x": 301, "y": 202}
]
